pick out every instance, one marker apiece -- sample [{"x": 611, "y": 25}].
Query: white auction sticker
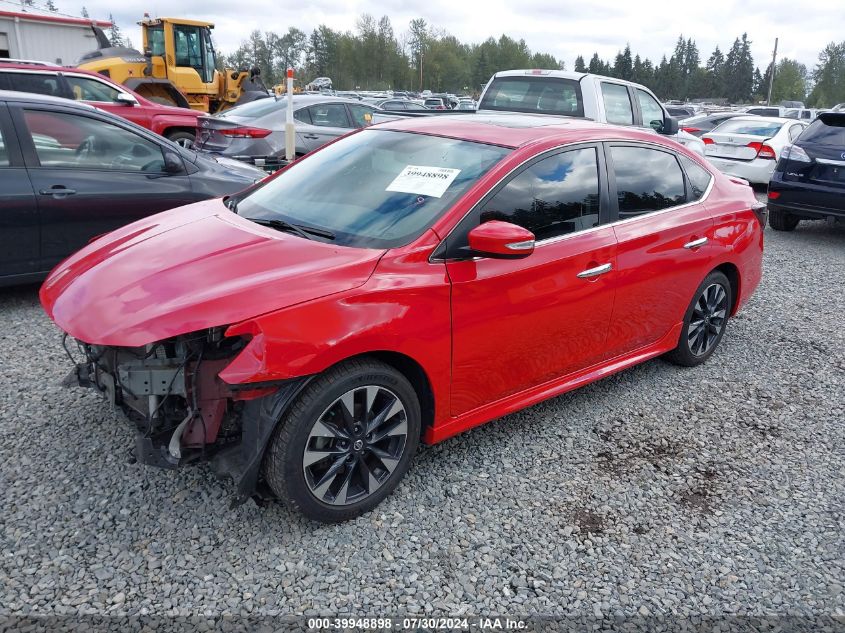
[{"x": 424, "y": 181}]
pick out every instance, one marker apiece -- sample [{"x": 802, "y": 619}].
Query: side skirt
[{"x": 550, "y": 389}]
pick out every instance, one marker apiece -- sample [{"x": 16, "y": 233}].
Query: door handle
[
  {"x": 57, "y": 190},
  {"x": 696, "y": 243},
  {"x": 595, "y": 272},
  {"x": 310, "y": 137}
]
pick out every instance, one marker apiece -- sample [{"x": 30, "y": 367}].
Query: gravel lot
[{"x": 707, "y": 491}]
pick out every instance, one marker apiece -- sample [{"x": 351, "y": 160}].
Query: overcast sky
[{"x": 564, "y": 28}]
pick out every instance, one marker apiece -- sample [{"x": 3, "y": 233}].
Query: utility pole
[
  {"x": 772, "y": 74},
  {"x": 421, "y": 62}
]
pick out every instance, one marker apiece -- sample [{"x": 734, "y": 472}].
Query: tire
[
  {"x": 185, "y": 139},
  {"x": 359, "y": 466},
  {"x": 782, "y": 221},
  {"x": 704, "y": 322}
]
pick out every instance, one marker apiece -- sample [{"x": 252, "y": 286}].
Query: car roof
[
  {"x": 516, "y": 130},
  {"x": 45, "y": 67},
  {"x": 31, "y": 97},
  {"x": 765, "y": 119}
]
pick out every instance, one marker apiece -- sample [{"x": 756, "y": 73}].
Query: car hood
[{"x": 189, "y": 269}]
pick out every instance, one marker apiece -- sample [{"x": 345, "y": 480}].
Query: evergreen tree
[
  {"x": 829, "y": 76},
  {"x": 580, "y": 66},
  {"x": 51, "y": 6},
  {"x": 115, "y": 36},
  {"x": 596, "y": 66},
  {"x": 85, "y": 13},
  {"x": 715, "y": 74},
  {"x": 623, "y": 67}
]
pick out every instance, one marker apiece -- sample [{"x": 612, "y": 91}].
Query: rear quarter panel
[{"x": 738, "y": 234}]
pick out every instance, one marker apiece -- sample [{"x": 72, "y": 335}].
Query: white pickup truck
[{"x": 562, "y": 93}]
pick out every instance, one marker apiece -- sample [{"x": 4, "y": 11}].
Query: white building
[{"x": 38, "y": 35}]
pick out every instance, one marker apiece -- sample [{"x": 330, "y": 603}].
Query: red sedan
[{"x": 408, "y": 281}]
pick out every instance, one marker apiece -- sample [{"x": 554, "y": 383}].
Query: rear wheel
[
  {"x": 185, "y": 139},
  {"x": 782, "y": 221},
  {"x": 704, "y": 322},
  {"x": 346, "y": 442}
]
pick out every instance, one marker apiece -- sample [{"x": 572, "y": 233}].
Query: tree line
[{"x": 374, "y": 57}]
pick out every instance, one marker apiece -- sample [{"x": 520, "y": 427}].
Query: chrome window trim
[{"x": 565, "y": 236}]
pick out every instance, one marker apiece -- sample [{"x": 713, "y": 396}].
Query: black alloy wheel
[
  {"x": 704, "y": 322},
  {"x": 346, "y": 442}
]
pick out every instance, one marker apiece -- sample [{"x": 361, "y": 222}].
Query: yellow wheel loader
[{"x": 177, "y": 67}]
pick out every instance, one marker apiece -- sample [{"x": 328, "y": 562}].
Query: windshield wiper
[{"x": 299, "y": 229}]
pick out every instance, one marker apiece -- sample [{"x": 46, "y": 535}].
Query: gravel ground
[{"x": 708, "y": 491}]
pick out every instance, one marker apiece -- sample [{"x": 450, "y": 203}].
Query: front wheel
[
  {"x": 346, "y": 442},
  {"x": 704, "y": 322}
]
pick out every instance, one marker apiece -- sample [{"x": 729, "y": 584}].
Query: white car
[
  {"x": 749, "y": 146},
  {"x": 584, "y": 95}
]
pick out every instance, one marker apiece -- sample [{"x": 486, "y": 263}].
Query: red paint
[
  {"x": 501, "y": 238},
  {"x": 491, "y": 335},
  {"x": 58, "y": 19}
]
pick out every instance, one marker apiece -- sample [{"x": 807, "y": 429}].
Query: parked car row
[
  {"x": 69, "y": 172},
  {"x": 176, "y": 124}
]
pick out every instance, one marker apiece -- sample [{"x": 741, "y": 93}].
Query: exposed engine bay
[{"x": 170, "y": 391}]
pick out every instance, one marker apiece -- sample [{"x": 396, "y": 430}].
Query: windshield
[
  {"x": 756, "y": 128},
  {"x": 543, "y": 95},
  {"x": 374, "y": 189}
]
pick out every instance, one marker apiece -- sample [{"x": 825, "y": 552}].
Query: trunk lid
[
  {"x": 733, "y": 146},
  {"x": 209, "y": 137}
]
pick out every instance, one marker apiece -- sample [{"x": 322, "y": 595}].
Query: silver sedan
[{"x": 255, "y": 132}]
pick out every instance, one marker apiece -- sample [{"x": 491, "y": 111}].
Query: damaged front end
[
  {"x": 170, "y": 392},
  {"x": 181, "y": 410}
]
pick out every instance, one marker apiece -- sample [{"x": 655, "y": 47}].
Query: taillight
[
  {"x": 691, "y": 130},
  {"x": 795, "y": 153},
  {"x": 774, "y": 195},
  {"x": 763, "y": 150},
  {"x": 246, "y": 132},
  {"x": 708, "y": 140}
]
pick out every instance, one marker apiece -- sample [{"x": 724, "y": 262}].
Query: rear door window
[
  {"x": 544, "y": 95},
  {"x": 329, "y": 115},
  {"x": 647, "y": 180},
  {"x": 617, "y": 104},
  {"x": 37, "y": 83}
]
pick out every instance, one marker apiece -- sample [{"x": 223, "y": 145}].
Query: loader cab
[
  {"x": 185, "y": 48},
  {"x": 193, "y": 48}
]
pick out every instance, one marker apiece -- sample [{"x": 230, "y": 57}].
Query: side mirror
[
  {"x": 124, "y": 98},
  {"x": 669, "y": 126},
  {"x": 173, "y": 163},
  {"x": 501, "y": 240}
]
